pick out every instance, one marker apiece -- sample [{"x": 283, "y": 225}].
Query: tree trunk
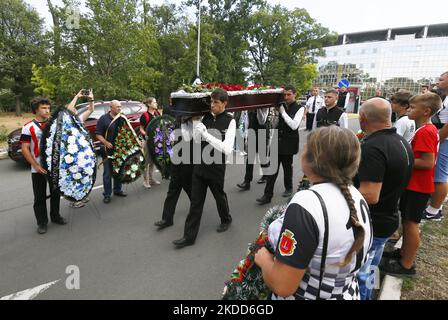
[{"x": 18, "y": 106}]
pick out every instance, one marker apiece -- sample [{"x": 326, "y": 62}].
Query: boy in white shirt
[{"x": 400, "y": 104}]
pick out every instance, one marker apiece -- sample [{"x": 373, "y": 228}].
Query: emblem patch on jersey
[{"x": 287, "y": 243}]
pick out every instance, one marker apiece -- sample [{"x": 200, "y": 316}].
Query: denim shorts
[{"x": 441, "y": 173}]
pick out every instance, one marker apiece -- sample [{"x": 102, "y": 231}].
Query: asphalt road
[{"x": 119, "y": 253}]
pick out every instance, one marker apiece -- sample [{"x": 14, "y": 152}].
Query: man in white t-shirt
[
  {"x": 434, "y": 210},
  {"x": 314, "y": 103},
  {"x": 400, "y": 104},
  {"x": 30, "y": 141}
]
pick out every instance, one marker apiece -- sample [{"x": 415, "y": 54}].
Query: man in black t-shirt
[
  {"x": 384, "y": 172},
  {"x": 104, "y": 133}
]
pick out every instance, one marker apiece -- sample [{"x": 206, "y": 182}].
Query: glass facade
[{"x": 389, "y": 60}]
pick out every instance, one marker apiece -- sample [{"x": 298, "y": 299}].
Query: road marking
[{"x": 31, "y": 293}]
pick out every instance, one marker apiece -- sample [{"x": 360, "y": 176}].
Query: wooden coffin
[{"x": 191, "y": 104}]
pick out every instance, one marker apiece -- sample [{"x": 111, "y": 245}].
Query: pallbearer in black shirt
[
  {"x": 331, "y": 114},
  {"x": 181, "y": 171},
  {"x": 288, "y": 144},
  {"x": 217, "y": 130},
  {"x": 257, "y": 120}
]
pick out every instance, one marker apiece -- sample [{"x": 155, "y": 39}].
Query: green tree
[
  {"x": 112, "y": 51},
  {"x": 22, "y": 44},
  {"x": 171, "y": 33},
  {"x": 283, "y": 44},
  {"x": 231, "y": 19}
]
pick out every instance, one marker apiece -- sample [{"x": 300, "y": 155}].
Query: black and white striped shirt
[{"x": 298, "y": 236}]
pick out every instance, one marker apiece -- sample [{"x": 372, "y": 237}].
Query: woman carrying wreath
[
  {"x": 325, "y": 234},
  {"x": 145, "y": 119}
]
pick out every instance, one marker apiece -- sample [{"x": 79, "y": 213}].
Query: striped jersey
[{"x": 298, "y": 236}]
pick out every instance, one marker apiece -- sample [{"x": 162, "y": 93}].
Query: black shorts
[{"x": 412, "y": 205}]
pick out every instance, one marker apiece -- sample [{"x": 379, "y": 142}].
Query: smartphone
[{"x": 86, "y": 92}]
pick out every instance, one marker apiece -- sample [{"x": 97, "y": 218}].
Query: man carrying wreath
[{"x": 105, "y": 125}]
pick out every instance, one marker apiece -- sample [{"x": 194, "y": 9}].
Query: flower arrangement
[
  {"x": 228, "y": 87},
  {"x": 361, "y": 136},
  {"x": 68, "y": 155},
  {"x": 160, "y": 140},
  {"x": 246, "y": 281},
  {"x": 128, "y": 161}
]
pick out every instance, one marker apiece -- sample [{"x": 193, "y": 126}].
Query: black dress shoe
[
  {"x": 41, "y": 229},
  {"x": 224, "y": 226},
  {"x": 263, "y": 200},
  {"x": 244, "y": 186},
  {"x": 287, "y": 193},
  {"x": 183, "y": 242},
  {"x": 162, "y": 224},
  {"x": 262, "y": 180},
  {"x": 61, "y": 221},
  {"x": 120, "y": 194},
  {"x": 106, "y": 199}
]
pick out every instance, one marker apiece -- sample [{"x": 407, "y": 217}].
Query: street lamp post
[
  {"x": 199, "y": 39},
  {"x": 197, "y": 80}
]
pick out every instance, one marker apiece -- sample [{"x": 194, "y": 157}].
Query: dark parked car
[{"x": 132, "y": 109}]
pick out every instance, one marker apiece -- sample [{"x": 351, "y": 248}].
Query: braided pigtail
[{"x": 359, "y": 231}]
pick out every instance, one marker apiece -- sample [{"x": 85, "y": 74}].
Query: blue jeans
[
  {"x": 366, "y": 275},
  {"x": 107, "y": 180},
  {"x": 441, "y": 171}
]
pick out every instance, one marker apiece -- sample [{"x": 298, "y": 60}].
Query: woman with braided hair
[{"x": 325, "y": 234}]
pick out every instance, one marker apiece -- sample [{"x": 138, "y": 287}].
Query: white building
[{"x": 369, "y": 59}]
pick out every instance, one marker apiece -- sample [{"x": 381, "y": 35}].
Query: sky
[{"x": 343, "y": 16}]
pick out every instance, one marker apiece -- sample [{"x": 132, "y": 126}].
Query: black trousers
[
  {"x": 198, "y": 194},
  {"x": 249, "y": 175},
  {"x": 286, "y": 162},
  {"x": 181, "y": 176},
  {"x": 40, "y": 200},
  {"x": 309, "y": 121}
]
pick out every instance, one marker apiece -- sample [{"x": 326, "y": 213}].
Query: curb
[
  {"x": 391, "y": 286},
  {"x": 3, "y": 155}
]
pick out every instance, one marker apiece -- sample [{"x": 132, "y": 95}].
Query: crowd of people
[{"x": 332, "y": 235}]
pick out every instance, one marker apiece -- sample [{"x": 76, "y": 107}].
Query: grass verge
[{"x": 431, "y": 282}]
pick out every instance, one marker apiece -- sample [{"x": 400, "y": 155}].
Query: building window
[
  {"x": 348, "y": 52},
  {"x": 375, "y": 50},
  {"x": 363, "y": 51},
  {"x": 335, "y": 54},
  {"x": 372, "y": 65},
  {"x": 361, "y": 66}
]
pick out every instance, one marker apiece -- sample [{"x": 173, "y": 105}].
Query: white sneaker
[
  {"x": 146, "y": 185},
  {"x": 155, "y": 182}
]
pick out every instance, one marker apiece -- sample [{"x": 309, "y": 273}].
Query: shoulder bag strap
[{"x": 325, "y": 244}]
